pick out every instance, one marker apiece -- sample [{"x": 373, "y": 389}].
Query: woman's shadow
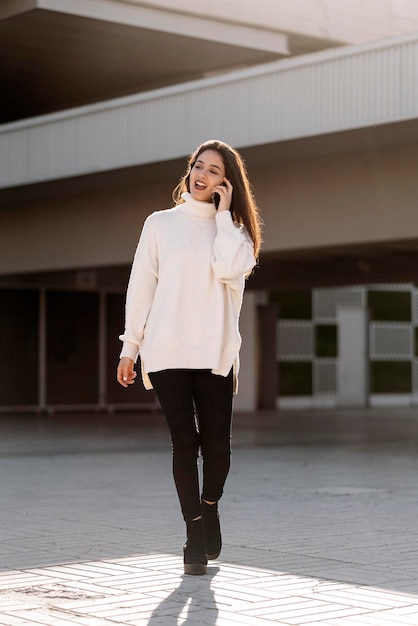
[{"x": 192, "y": 597}]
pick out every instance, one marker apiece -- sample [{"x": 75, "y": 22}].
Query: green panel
[
  {"x": 293, "y": 305},
  {"x": 391, "y": 377},
  {"x": 295, "y": 378},
  {"x": 389, "y": 306},
  {"x": 326, "y": 341}
]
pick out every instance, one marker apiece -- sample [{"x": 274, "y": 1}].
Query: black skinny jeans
[{"x": 198, "y": 408}]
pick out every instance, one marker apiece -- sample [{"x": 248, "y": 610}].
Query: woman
[{"x": 182, "y": 308}]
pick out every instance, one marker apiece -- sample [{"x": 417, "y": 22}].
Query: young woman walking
[{"x": 182, "y": 308}]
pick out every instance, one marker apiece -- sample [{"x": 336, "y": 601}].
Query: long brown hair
[{"x": 243, "y": 209}]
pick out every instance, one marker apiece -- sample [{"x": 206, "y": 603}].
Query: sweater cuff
[
  {"x": 224, "y": 218},
  {"x": 130, "y": 350}
]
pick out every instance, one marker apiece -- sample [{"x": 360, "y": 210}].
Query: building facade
[{"x": 103, "y": 100}]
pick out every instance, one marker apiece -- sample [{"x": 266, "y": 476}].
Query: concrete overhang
[
  {"x": 374, "y": 243},
  {"x": 313, "y": 96},
  {"x": 56, "y": 54}
]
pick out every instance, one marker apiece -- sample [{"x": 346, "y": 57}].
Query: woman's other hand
[{"x": 126, "y": 374}]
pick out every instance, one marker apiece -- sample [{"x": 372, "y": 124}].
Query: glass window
[
  {"x": 391, "y": 377},
  {"x": 19, "y": 346},
  {"x": 295, "y": 378},
  {"x": 389, "y": 306},
  {"x": 326, "y": 340},
  {"x": 72, "y": 347},
  {"x": 293, "y": 305}
]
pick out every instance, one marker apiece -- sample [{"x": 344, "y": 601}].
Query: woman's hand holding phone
[{"x": 222, "y": 195}]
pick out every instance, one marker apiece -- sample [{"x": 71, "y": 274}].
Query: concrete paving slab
[{"x": 319, "y": 528}]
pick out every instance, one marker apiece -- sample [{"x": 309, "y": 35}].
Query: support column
[{"x": 353, "y": 356}]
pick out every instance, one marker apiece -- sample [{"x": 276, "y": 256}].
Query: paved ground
[{"x": 320, "y": 523}]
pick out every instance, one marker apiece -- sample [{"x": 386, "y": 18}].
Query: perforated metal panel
[
  {"x": 414, "y": 299},
  {"x": 294, "y": 340},
  {"x": 391, "y": 341},
  {"x": 326, "y": 301},
  {"x": 325, "y": 377},
  {"x": 391, "y": 287}
]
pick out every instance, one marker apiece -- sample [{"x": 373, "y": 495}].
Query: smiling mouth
[{"x": 200, "y": 186}]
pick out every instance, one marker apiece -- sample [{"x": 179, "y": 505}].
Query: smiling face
[{"x": 207, "y": 172}]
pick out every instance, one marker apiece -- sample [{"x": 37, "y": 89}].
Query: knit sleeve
[
  {"x": 141, "y": 288},
  {"x": 233, "y": 252}
]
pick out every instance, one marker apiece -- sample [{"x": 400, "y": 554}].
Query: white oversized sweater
[{"x": 185, "y": 290}]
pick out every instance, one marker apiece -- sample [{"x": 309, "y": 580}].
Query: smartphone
[{"x": 216, "y": 198}]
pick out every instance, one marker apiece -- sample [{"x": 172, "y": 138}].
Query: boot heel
[
  {"x": 195, "y": 569},
  {"x": 195, "y": 560},
  {"x": 212, "y": 530}
]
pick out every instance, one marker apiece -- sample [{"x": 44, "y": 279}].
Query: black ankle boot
[
  {"x": 195, "y": 560},
  {"x": 212, "y": 530}
]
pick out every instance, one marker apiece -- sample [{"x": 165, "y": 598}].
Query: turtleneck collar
[{"x": 196, "y": 208}]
